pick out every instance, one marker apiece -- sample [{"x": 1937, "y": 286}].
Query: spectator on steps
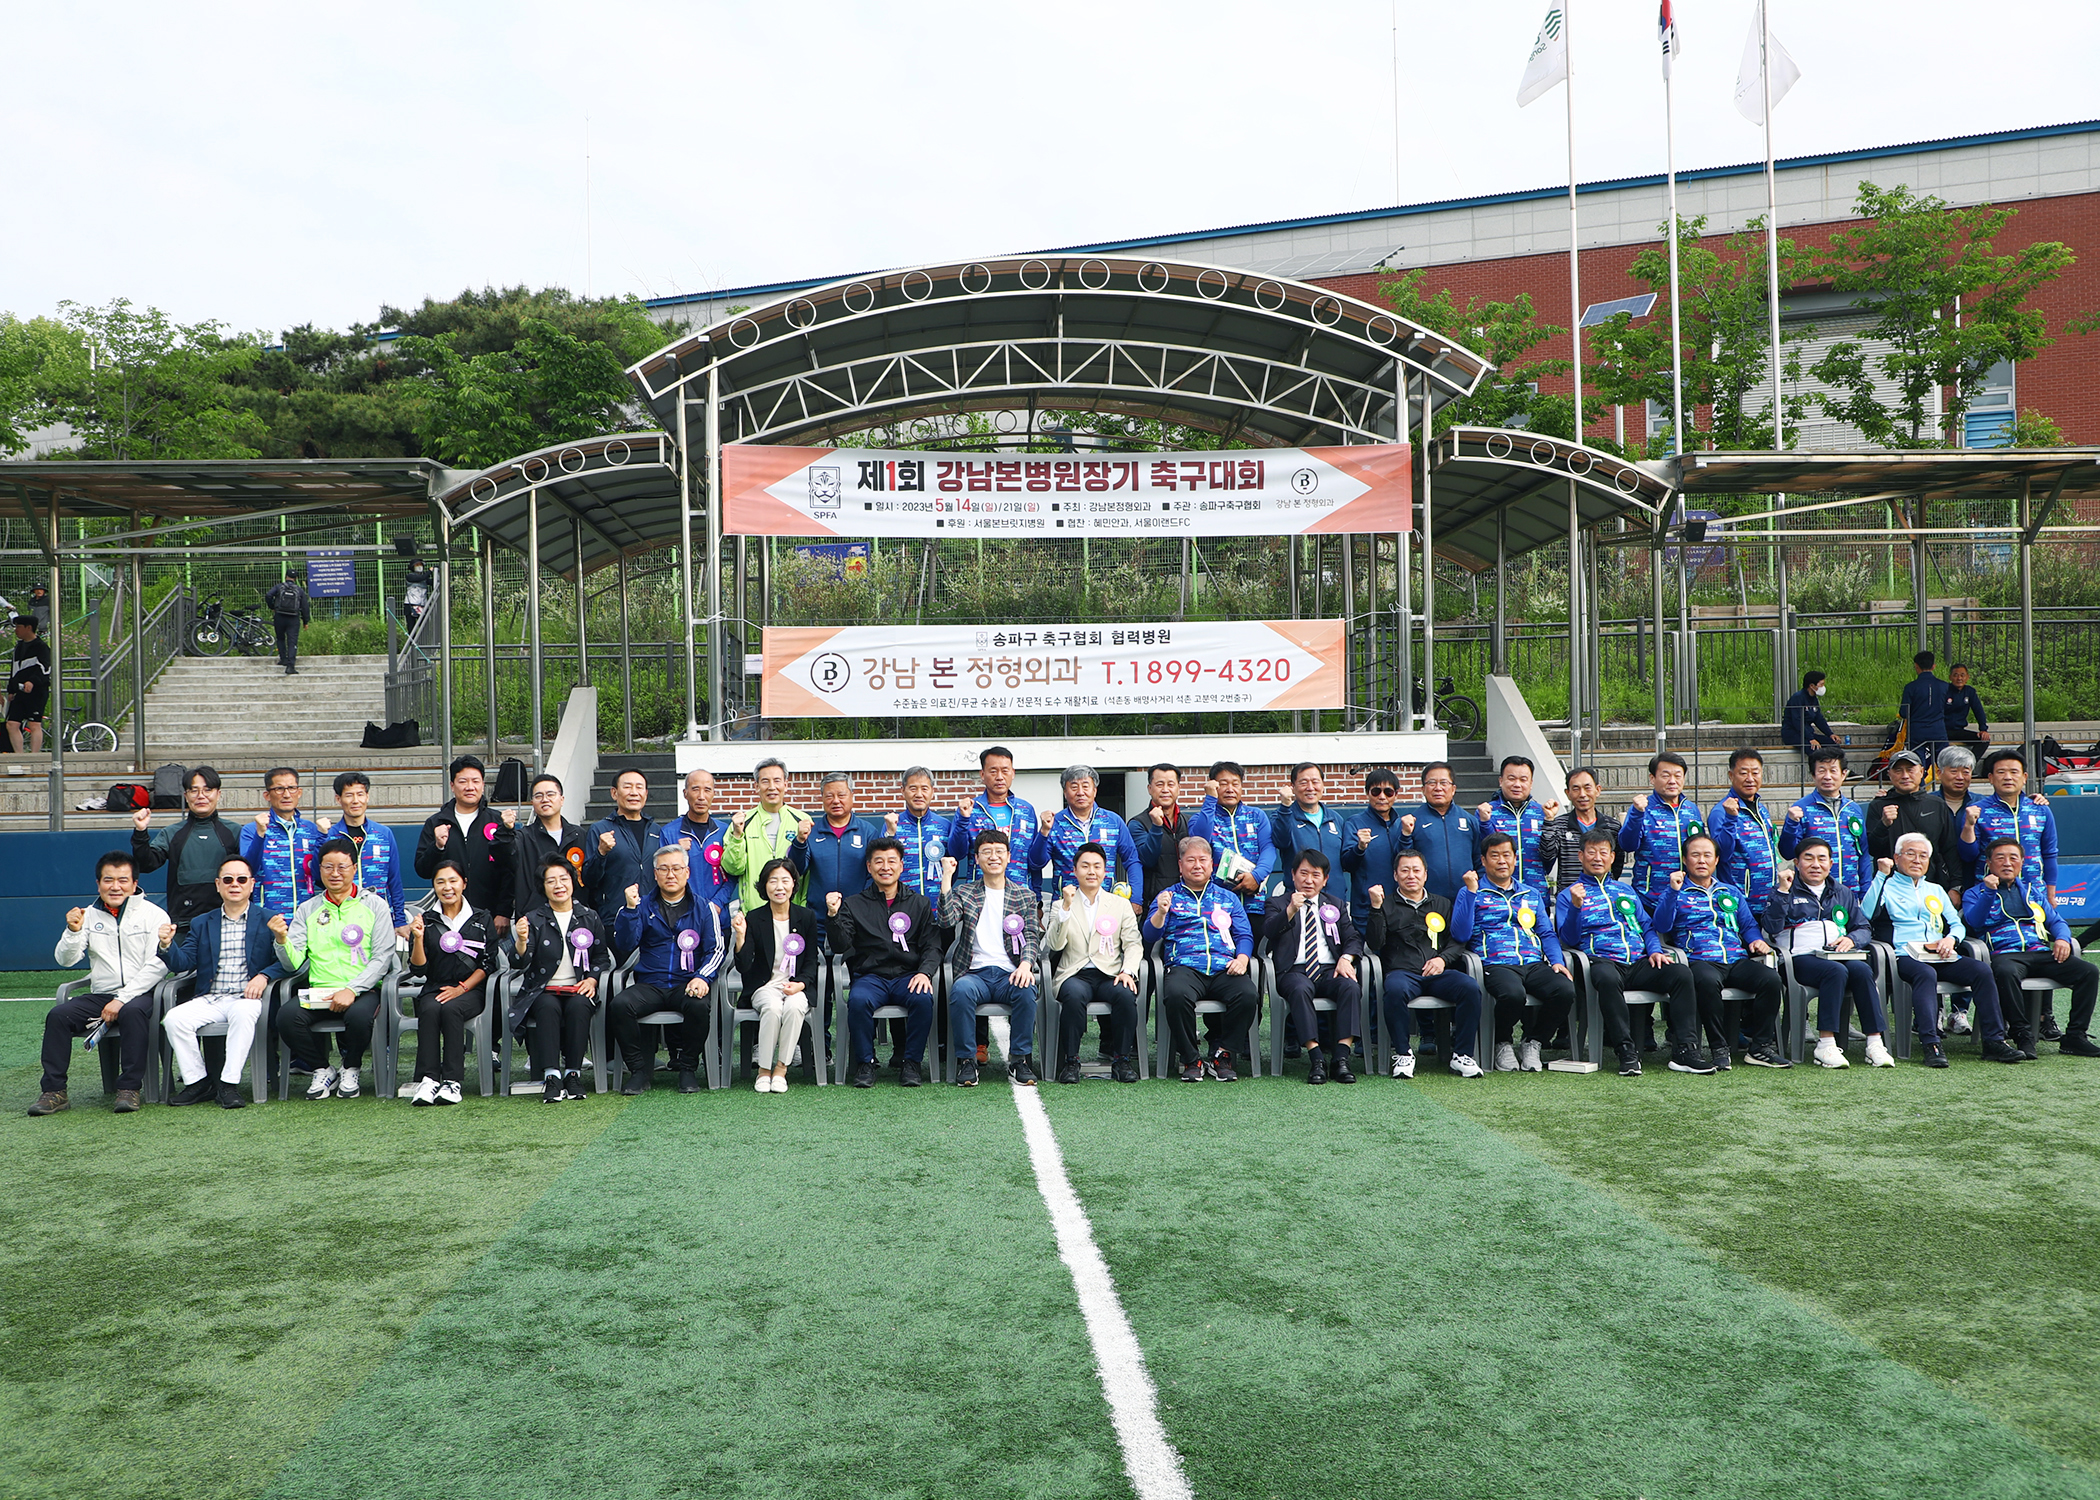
[
  {"x": 289, "y": 610},
  {"x": 467, "y": 829},
  {"x": 378, "y": 860},
  {"x": 416, "y": 583},
  {"x": 28, "y": 686},
  {"x": 192, "y": 848},
  {"x": 1961, "y": 703},
  {"x": 1803, "y": 725},
  {"x": 1924, "y": 709}
]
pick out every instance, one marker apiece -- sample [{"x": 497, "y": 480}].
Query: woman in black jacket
[
  {"x": 565, "y": 954},
  {"x": 776, "y": 953},
  {"x": 448, "y": 949}
]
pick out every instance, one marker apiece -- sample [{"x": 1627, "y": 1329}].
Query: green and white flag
[{"x": 1549, "y": 57}]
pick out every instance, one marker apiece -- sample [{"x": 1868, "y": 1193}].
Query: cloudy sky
[{"x": 268, "y": 165}]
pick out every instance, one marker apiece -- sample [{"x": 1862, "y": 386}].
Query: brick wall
[{"x": 1266, "y": 786}]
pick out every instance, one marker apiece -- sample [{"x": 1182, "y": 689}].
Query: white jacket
[
  {"x": 1073, "y": 946},
  {"x": 123, "y": 952}
]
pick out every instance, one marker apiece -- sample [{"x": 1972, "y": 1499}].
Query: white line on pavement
[{"x": 1133, "y": 1403}]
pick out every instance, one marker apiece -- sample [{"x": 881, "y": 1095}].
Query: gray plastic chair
[
  {"x": 1163, "y": 1034},
  {"x": 1370, "y": 978},
  {"x": 108, "y": 1052},
  {"x": 177, "y": 988},
  {"x": 1047, "y": 1029}
]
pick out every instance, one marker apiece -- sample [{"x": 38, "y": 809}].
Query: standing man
[
  {"x": 192, "y": 849},
  {"x": 892, "y": 949},
  {"x": 1560, "y": 839},
  {"x": 1241, "y": 838},
  {"x": 1082, "y": 821},
  {"x": 699, "y": 833},
  {"x": 1604, "y": 919},
  {"x": 996, "y": 807},
  {"x": 1658, "y": 825},
  {"x": 1509, "y": 924},
  {"x": 677, "y": 940},
  {"x": 120, "y": 936},
  {"x": 1924, "y": 708},
  {"x": 1209, "y": 949},
  {"x": 1905, "y": 808},
  {"x": 1803, "y": 725},
  {"x": 344, "y": 939},
  {"x": 1961, "y": 703},
  {"x": 289, "y": 610},
  {"x": 281, "y": 846},
  {"x": 1306, "y": 822},
  {"x": 994, "y": 958},
  {"x": 549, "y": 835},
  {"x": 1371, "y": 841},
  {"x": 230, "y": 952},
  {"x": 1316, "y": 949},
  {"x": 28, "y": 686},
  {"x": 1828, "y": 814},
  {"x": 1745, "y": 836},
  {"x": 621, "y": 845},
  {"x": 772, "y": 830},
  {"x": 923, "y": 835},
  {"x": 1407, "y": 930},
  {"x": 1517, "y": 813},
  {"x": 1957, "y": 769},
  {"x": 835, "y": 855},
  {"x": 1159, "y": 830},
  {"x": 2029, "y": 939},
  {"x": 467, "y": 829},
  {"x": 378, "y": 861},
  {"x": 1440, "y": 831}
]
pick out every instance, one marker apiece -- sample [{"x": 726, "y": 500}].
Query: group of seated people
[{"x": 1513, "y": 887}]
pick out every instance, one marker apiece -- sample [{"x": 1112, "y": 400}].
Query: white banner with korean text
[
  {"x": 858, "y": 492},
  {"x": 1210, "y": 665}
]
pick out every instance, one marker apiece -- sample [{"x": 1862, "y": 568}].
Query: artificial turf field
[{"x": 1759, "y": 1284}]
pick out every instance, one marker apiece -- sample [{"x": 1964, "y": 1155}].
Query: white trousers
[
  {"x": 780, "y": 1020},
  {"x": 239, "y": 1015}
]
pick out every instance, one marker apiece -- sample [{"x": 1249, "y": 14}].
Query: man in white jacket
[{"x": 120, "y": 936}]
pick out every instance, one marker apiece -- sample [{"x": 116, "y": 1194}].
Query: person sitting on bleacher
[
  {"x": 676, "y": 939},
  {"x": 1828, "y": 814},
  {"x": 777, "y": 954},
  {"x": 564, "y": 954},
  {"x": 1604, "y": 918},
  {"x": 1923, "y": 920},
  {"x": 1812, "y": 914},
  {"x": 1658, "y": 825},
  {"x": 1092, "y": 933},
  {"x": 119, "y": 936},
  {"x": 1714, "y": 923},
  {"x": 1316, "y": 946},
  {"x": 1745, "y": 837},
  {"x": 1406, "y": 931},
  {"x": 2030, "y": 939},
  {"x": 1509, "y": 924},
  {"x": 892, "y": 948},
  {"x": 344, "y": 939},
  {"x": 230, "y": 952},
  {"x": 1209, "y": 947},
  {"x": 454, "y": 989},
  {"x": 994, "y": 954}
]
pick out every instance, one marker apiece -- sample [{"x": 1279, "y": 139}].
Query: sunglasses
[
  {"x": 236, "y": 879},
  {"x": 1383, "y": 791}
]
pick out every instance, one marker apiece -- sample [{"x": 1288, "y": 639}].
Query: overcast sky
[{"x": 268, "y": 165}]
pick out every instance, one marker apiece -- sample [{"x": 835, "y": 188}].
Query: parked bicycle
[
  {"x": 218, "y": 631},
  {"x": 1457, "y": 715},
  {"x": 91, "y": 737}
]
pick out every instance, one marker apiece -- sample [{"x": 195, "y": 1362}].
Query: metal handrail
[{"x": 166, "y": 634}]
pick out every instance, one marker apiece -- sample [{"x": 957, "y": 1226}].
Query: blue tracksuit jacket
[
  {"x": 1369, "y": 864},
  {"x": 1844, "y": 828},
  {"x": 1021, "y": 825},
  {"x": 1194, "y": 936},
  {"x": 1655, "y": 837},
  {"x": 1491, "y": 922},
  {"x": 1060, "y": 841},
  {"x": 1445, "y": 842},
  {"x": 2032, "y": 822},
  {"x": 1246, "y": 831},
  {"x": 1715, "y": 924},
  {"x": 1609, "y": 922},
  {"x": 835, "y": 859},
  {"x": 1925, "y": 706},
  {"x": 646, "y": 927},
  {"x": 1294, "y": 831},
  {"x": 378, "y": 864},
  {"x": 706, "y": 877},
  {"x": 926, "y": 842},
  {"x": 1522, "y": 824},
  {"x": 1747, "y": 844},
  {"x": 2007, "y": 916},
  {"x": 283, "y": 861}
]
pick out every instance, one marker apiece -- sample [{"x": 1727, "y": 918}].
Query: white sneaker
[
  {"x": 323, "y": 1084},
  {"x": 1878, "y": 1055},
  {"x": 1957, "y": 1024},
  {"x": 1464, "y": 1066},
  {"x": 448, "y": 1092},
  {"x": 346, "y": 1086},
  {"x": 1528, "y": 1059},
  {"x": 425, "y": 1091},
  {"x": 1829, "y": 1054},
  {"x": 1505, "y": 1058},
  {"x": 1403, "y": 1065}
]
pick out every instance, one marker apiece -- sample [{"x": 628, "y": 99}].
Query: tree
[
  {"x": 25, "y": 348},
  {"x": 1915, "y": 264},
  {"x": 136, "y": 385},
  {"x": 1504, "y": 333},
  {"x": 547, "y": 387}
]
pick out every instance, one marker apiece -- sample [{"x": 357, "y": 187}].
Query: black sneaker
[
  {"x": 896, "y": 1063},
  {"x": 1722, "y": 1060},
  {"x": 1685, "y": 1058},
  {"x": 1192, "y": 1073},
  {"x": 1068, "y": 1072},
  {"x": 864, "y": 1075},
  {"x": 2050, "y": 1031},
  {"x": 1629, "y": 1059},
  {"x": 688, "y": 1080},
  {"x": 1338, "y": 1066},
  {"x": 193, "y": 1093},
  {"x": 910, "y": 1075},
  {"x": 2024, "y": 1041},
  {"x": 1291, "y": 1053},
  {"x": 1221, "y": 1068},
  {"x": 639, "y": 1080},
  {"x": 572, "y": 1085},
  {"x": 551, "y": 1090},
  {"x": 1935, "y": 1055},
  {"x": 2077, "y": 1044},
  {"x": 1123, "y": 1070},
  {"x": 1021, "y": 1070},
  {"x": 231, "y": 1097},
  {"x": 966, "y": 1073},
  {"x": 1767, "y": 1057},
  {"x": 1316, "y": 1071},
  {"x": 1998, "y": 1049}
]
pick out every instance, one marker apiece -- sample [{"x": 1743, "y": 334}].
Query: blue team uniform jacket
[
  {"x": 1193, "y": 938},
  {"x": 1245, "y": 831},
  {"x": 1715, "y": 924},
  {"x": 1017, "y": 819},
  {"x": 926, "y": 843},
  {"x": 1609, "y": 922},
  {"x": 1369, "y": 864},
  {"x": 1655, "y": 837},
  {"x": 1522, "y": 824},
  {"x": 1294, "y": 832},
  {"x": 283, "y": 862},
  {"x": 2032, "y": 822},
  {"x": 646, "y": 927},
  {"x": 2006, "y": 916},
  {"x": 1061, "y": 839},
  {"x": 1747, "y": 844},
  {"x": 378, "y": 864},
  {"x": 706, "y": 874},
  {"x": 1490, "y": 922},
  {"x": 834, "y": 859},
  {"x": 1844, "y": 828},
  {"x": 1445, "y": 842}
]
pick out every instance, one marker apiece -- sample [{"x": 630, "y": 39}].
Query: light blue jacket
[{"x": 1912, "y": 917}]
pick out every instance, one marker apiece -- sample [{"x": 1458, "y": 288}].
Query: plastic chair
[
  {"x": 1048, "y": 1033},
  {"x": 496, "y": 1051},
  {"x": 1797, "y": 1001},
  {"x": 1370, "y": 978},
  {"x": 943, "y": 989},
  {"x": 177, "y": 988},
  {"x": 1164, "y": 1034},
  {"x": 615, "y": 1064},
  {"x": 1896, "y": 995},
  {"x": 841, "y": 986},
  {"x": 1592, "y": 1009},
  {"x": 108, "y": 1052},
  {"x": 482, "y": 1042},
  {"x": 286, "y": 992},
  {"x": 730, "y": 1015},
  {"x": 1378, "y": 1053}
]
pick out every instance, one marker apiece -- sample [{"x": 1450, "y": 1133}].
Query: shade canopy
[
  {"x": 1489, "y": 480},
  {"x": 622, "y": 491},
  {"x": 1928, "y": 473}
]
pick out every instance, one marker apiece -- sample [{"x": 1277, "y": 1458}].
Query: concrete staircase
[{"x": 204, "y": 704}]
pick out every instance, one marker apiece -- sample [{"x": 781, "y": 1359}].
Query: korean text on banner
[
  {"x": 1221, "y": 666},
  {"x": 769, "y": 491}
]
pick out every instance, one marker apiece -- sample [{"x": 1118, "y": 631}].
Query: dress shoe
[
  {"x": 1316, "y": 1072},
  {"x": 1338, "y": 1066},
  {"x": 688, "y": 1081},
  {"x": 193, "y": 1093}
]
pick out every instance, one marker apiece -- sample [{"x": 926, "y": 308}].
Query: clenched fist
[
  {"x": 279, "y": 928},
  {"x": 1552, "y": 807},
  {"x": 262, "y": 821},
  {"x": 1579, "y": 893},
  {"x": 1377, "y": 895},
  {"x": 1730, "y": 806},
  {"x": 1407, "y": 824},
  {"x": 634, "y": 897},
  {"x": 1160, "y": 906},
  {"x": 1677, "y": 880},
  {"x": 803, "y": 830},
  {"x": 415, "y": 925},
  {"x": 1784, "y": 878},
  {"x": 1472, "y": 879},
  {"x": 831, "y": 903},
  {"x": 1484, "y": 809},
  {"x": 605, "y": 842},
  {"x": 1884, "y": 866},
  {"x": 510, "y": 817},
  {"x": 1991, "y": 881},
  {"x": 75, "y": 918},
  {"x": 738, "y": 926},
  {"x": 949, "y": 864},
  {"x": 1071, "y": 894},
  {"x": 443, "y": 834},
  {"x": 522, "y": 930},
  {"x": 1363, "y": 838},
  {"x": 142, "y": 819},
  {"x": 1888, "y": 812},
  {"x": 1971, "y": 813},
  {"x": 889, "y": 822},
  {"x": 1640, "y": 803},
  {"x": 1793, "y": 815},
  {"x": 167, "y": 933}
]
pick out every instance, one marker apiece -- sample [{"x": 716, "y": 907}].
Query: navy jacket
[
  {"x": 1804, "y": 720},
  {"x": 1445, "y": 842},
  {"x": 200, "y": 946},
  {"x": 1925, "y": 705},
  {"x": 834, "y": 859}
]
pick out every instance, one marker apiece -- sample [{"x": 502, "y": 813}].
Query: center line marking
[{"x": 1133, "y": 1402}]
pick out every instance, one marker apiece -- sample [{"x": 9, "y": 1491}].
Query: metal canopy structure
[
  {"x": 1500, "y": 493},
  {"x": 1931, "y": 474},
  {"x": 621, "y": 491},
  {"x": 230, "y": 489}
]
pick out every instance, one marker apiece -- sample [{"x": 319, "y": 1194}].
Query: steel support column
[
  {"x": 138, "y": 659},
  {"x": 55, "y": 714},
  {"x": 2027, "y": 735},
  {"x": 488, "y": 634},
  {"x": 583, "y": 613},
  {"x": 444, "y": 605},
  {"x": 626, "y": 665},
  {"x": 1428, "y": 576},
  {"x": 534, "y": 658}
]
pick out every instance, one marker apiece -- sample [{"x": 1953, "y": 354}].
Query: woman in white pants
[
  {"x": 776, "y": 952},
  {"x": 235, "y": 961}
]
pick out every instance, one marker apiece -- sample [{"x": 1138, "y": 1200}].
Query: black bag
[
  {"x": 168, "y": 782},
  {"x": 510, "y": 781},
  {"x": 405, "y": 735},
  {"x": 128, "y": 796}
]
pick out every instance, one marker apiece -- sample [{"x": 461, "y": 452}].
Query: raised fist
[
  {"x": 802, "y": 831},
  {"x": 1377, "y": 895},
  {"x": 1407, "y": 824},
  {"x": 1793, "y": 815},
  {"x": 167, "y": 933},
  {"x": 1210, "y": 789},
  {"x": 1297, "y": 900},
  {"x": 1888, "y": 812},
  {"x": 737, "y": 926},
  {"x": 634, "y": 897},
  {"x": 948, "y": 867},
  {"x": 510, "y": 817},
  {"x": 1884, "y": 866},
  {"x": 1071, "y": 894},
  {"x": 279, "y": 928},
  {"x": 415, "y": 925},
  {"x": 1730, "y": 806},
  {"x": 736, "y": 824},
  {"x": 1784, "y": 878},
  {"x": 75, "y": 918},
  {"x": 142, "y": 819},
  {"x": 1991, "y": 881},
  {"x": 1472, "y": 879},
  {"x": 1640, "y": 803},
  {"x": 1163, "y": 904},
  {"x": 1579, "y": 893},
  {"x": 1677, "y": 880},
  {"x": 443, "y": 834},
  {"x": 831, "y": 903},
  {"x": 523, "y": 932},
  {"x": 1971, "y": 813},
  {"x": 1484, "y": 809},
  {"x": 1552, "y": 807},
  {"x": 889, "y": 822},
  {"x": 262, "y": 821},
  {"x": 1363, "y": 838},
  {"x": 605, "y": 842}
]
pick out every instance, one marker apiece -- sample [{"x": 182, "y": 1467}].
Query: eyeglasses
[
  {"x": 236, "y": 879},
  {"x": 1383, "y": 791}
]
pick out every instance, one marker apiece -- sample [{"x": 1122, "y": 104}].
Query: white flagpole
[
  {"x": 1575, "y": 601},
  {"x": 1764, "y": 22},
  {"x": 1677, "y": 419}
]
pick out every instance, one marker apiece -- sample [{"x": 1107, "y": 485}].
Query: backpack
[
  {"x": 128, "y": 796},
  {"x": 404, "y": 734},
  {"x": 510, "y": 781},
  {"x": 168, "y": 784}
]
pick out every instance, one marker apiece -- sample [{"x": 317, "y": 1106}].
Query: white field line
[{"x": 1148, "y": 1457}]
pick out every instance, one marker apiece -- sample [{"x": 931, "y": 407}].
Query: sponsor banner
[
  {"x": 1221, "y": 666},
  {"x": 856, "y": 492}
]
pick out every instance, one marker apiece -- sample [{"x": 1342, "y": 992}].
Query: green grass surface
[{"x": 23, "y": 984}]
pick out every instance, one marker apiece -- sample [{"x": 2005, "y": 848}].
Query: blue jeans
[
  {"x": 1454, "y": 985},
  {"x": 872, "y": 991},
  {"x": 989, "y": 986},
  {"x": 1831, "y": 978}
]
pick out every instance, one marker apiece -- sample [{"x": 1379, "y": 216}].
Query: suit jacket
[
  {"x": 1281, "y": 928},
  {"x": 1072, "y": 945},
  {"x": 754, "y": 961},
  {"x": 198, "y": 949}
]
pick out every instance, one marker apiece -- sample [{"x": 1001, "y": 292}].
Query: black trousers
[
  {"x": 76, "y": 1017},
  {"x": 1186, "y": 987},
  {"x": 1508, "y": 985},
  {"x": 287, "y": 640},
  {"x": 624, "y": 1013},
  {"x": 309, "y": 1048},
  {"x": 1725, "y": 1022},
  {"x": 1612, "y": 980},
  {"x": 558, "y": 1028},
  {"x": 1300, "y": 989},
  {"x": 2074, "y": 974},
  {"x": 441, "y": 1032},
  {"x": 1118, "y": 1027}
]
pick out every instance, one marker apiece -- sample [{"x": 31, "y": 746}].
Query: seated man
[
  {"x": 891, "y": 943},
  {"x": 1093, "y": 936},
  {"x": 1209, "y": 950},
  {"x": 1803, "y": 725},
  {"x": 344, "y": 939},
  {"x": 678, "y": 938},
  {"x": 1316, "y": 947},
  {"x": 997, "y": 945},
  {"x": 1603, "y": 918},
  {"x": 1407, "y": 932},
  {"x": 230, "y": 952},
  {"x": 1712, "y": 921},
  {"x": 1508, "y": 924},
  {"x": 119, "y": 936},
  {"x": 1924, "y": 923},
  {"x": 1813, "y": 914},
  {"x": 2029, "y": 939}
]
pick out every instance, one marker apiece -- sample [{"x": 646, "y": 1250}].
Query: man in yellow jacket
[{"x": 772, "y": 830}]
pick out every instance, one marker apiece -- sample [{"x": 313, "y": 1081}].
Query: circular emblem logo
[
  {"x": 1305, "y": 481},
  {"x": 575, "y": 856},
  {"x": 1838, "y": 918},
  {"x": 1727, "y": 901},
  {"x": 323, "y": 919},
  {"x": 1526, "y": 918},
  {"x": 830, "y": 673},
  {"x": 1433, "y": 922}
]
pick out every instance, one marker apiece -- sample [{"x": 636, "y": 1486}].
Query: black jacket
[
  {"x": 1918, "y": 812},
  {"x": 441, "y": 968},
  {"x": 529, "y": 851},
  {"x": 1804, "y": 720},
  {"x": 287, "y": 599},
  {"x": 755, "y": 959},
  {"x": 1399, "y": 933},
  {"x": 187, "y": 898},
  {"x": 1161, "y": 849},
  {"x": 861, "y": 934},
  {"x": 1281, "y": 929},
  {"x": 544, "y": 947},
  {"x": 485, "y": 855}
]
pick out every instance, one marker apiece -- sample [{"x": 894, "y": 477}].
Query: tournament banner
[
  {"x": 1221, "y": 665},
  {"x": 768, "y": 491}
]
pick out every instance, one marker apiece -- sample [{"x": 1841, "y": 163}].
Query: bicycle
[
  {"x": 1458, "y": 715},
  {"x": 218, "y": 630},
  {"x": 91, "y": 737}
]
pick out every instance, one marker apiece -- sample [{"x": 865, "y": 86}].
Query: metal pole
[
  {"x": 1428, "y": 577},
  {"x": 1764, "y": 58},
  {"x": 1662, "y": 707},
  {"x": 1498, "y": 637},
  {"x": 583, "y": 611},
  {"x": 138, "y": 660},
  {"x": 534, "y": 663},
  {"x": 1574, "y": 511},
  {"x": 444, "y": 603},
  {"x": 626, "y": 666},
  {"x": 685, "y": 554},
  {"x": 1677, "y": 422},
  {"x": 715, "y": 725},
  {"x": 1291, "y": 550},
  {"x": 1349, "y": 668},
  {"x": 2027, "y": 736},
  {"x": 1917, "y": 577},
  {"x": 1594, "y": 638},
  {"x": 1403, "y": 564},
  {"x": 488, "y": 632},
  {"x": 55, "y": 716}
]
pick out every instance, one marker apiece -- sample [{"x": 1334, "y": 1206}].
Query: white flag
[
  {"x": 1749, "y": 86},
  {"x": 1549, "y": 57},
  {"x": 1666, "y": 31}
]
